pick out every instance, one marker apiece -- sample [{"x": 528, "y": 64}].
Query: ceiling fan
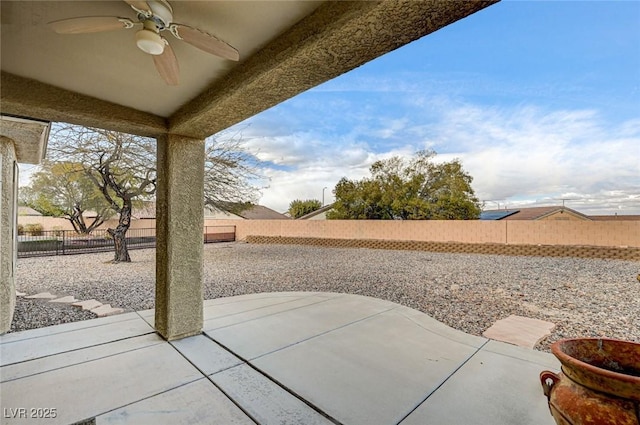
[{"x": 154, "y": 16}]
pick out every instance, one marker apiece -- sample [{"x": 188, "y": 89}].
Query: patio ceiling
[{"x": 286, "y": 47}]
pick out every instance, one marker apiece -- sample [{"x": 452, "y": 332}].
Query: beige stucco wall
[
  {"x": 540, "y": 232},
  {"x": 553, "y": 232},
  {"x": 7, "y": 217}
]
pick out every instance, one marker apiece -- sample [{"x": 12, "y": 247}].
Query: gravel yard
[{"x": 584, "y": 297}]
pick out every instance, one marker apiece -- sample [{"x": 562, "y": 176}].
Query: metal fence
[{"x": 65, "y": 242}]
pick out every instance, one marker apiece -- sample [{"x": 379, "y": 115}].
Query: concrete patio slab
[
  {"x": 106, "y": 310},
  {"x": 70, "y": 358},
  {"x": 374, "y": 371},
  {"x": 47, "y": 345},
  {"x": 224, "y": 311},
  {"x": 520, "y": 331},
  {"x": 430, "y": 324},
  {"x": 258, "y": 337},
  {"x": 198, "y": 402},
  {"x": 42, "y": 296},
  {"x": 251, "y": 304},
  {"x": 265, "y": 401},
  {"x": 290, "y": 303},
  {"x": 496, "y": 386},
  {"x": 66, "y": 327},
  {"x": 205, "y": 354},
  {"x": 101, "y": 385},
  {"x": 88, "y": 304},
  {"x": 65, "y": 300},
  {"x": 317, "y": 358}
]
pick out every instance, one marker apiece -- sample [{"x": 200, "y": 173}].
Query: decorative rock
[
  {"x": 42, "y": 296},
  {"x": 87, "y": 305},
  {"x": 490, "y": 285},
  {"x": 106, "y": 310},
  {"x": 65, "y": 300}
]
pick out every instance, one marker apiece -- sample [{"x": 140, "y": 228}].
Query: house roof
[
  {"x": 616, "y": 217},
  {"x": 531, "y": 213},
  {"x": 27, "y": 211},
  {"x": 259, "y": 212},
  {"x": 286, "y": 47},
  {"x": 316, "y": 212}
]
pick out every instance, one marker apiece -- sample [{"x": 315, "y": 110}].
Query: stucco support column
[
  {"x": 8, "y": 186},
  {"x": 179, "y": 230}
]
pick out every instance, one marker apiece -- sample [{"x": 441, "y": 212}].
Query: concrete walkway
[{"x": 275, "y": 358}]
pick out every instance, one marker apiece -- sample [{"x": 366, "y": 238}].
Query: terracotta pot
[{"x": 599, "y": 383}]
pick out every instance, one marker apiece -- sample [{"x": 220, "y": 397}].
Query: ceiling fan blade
[
  {"x": 167, "y": 65},
  {"x": 204, "y": 41},
  {"x": 142, "y": 6},
  {"x": 90, "y": 24}
]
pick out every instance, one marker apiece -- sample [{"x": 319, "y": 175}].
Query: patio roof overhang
[
  {"x": 103, "y": 80},
  {"x": 28, "y": 136}
]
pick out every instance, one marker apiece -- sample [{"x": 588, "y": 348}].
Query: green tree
[
  {"x": 298, "y": 208},
  {"x": 60, "y": 189},
  {"x": 414, "y": 189}
]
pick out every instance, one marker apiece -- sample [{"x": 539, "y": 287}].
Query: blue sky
[{"x": 539, "y": 100}]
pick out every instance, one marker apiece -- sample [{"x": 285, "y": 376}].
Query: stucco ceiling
[
  {"x": 109, "y": 66},
  {"x": 286, "y": 47}
]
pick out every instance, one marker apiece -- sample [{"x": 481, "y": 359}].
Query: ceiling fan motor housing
[{"x": 162, "y": 12}]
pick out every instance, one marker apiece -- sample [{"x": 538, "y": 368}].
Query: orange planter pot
[{"x": 599, "y": 383}]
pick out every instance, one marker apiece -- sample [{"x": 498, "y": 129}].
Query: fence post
[{"x": 64, "y": 242}]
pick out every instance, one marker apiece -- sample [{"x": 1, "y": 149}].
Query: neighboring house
[
  {"x": 148, "y": 212},
  {"x": 255, "y": 212},
  {"x": 319, "y": 214},
  {"x": 259, "y": 212},
  {"x": 21, "y": 141},
  {"x": 535, "y": 213},
  {"x": 28, "y": 212},
  {"x": 215, "y": 214}
]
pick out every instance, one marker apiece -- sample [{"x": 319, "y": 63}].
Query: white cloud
[
  {"x": 547, "y": 156},
  {"x": 523, "y": 155}
]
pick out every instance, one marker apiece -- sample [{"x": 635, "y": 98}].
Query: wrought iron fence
[{"x": 65, "y": 242}]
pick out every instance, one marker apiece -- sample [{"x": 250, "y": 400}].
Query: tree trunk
[{"x": 119, "y": 234}]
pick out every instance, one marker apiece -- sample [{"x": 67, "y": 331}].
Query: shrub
[
  {"x": 20, "y": 229},
  {"x": 33, "y": 229},
  {"x": 57, "y": 231}
]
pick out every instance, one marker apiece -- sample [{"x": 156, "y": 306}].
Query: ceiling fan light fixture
[{"x": 150, "y": 42}]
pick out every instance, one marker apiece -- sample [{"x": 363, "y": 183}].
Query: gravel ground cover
[{"x": 469, "y": 292}]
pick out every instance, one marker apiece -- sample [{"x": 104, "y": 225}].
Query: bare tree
[
  {"x": 231, "y": 180},
  {"x": 123, "y": 168}
]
